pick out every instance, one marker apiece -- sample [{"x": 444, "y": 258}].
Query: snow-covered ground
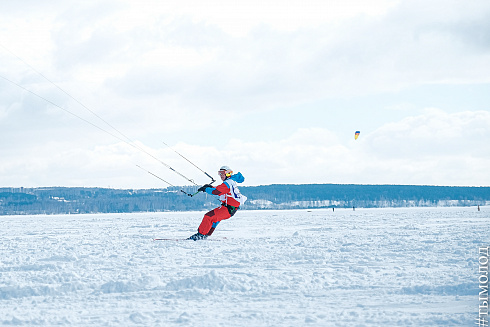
[{"x": 369, "y": 267}]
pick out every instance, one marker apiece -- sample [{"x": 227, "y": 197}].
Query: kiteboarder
[{"x": 230, "y": 198}]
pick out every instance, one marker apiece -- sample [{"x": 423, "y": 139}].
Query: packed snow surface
[{"x": 368, "y": 267}]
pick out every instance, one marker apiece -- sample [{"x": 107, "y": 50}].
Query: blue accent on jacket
[
  {"x": 238, "y": 177},
  {"x": 210, "y": 190}
]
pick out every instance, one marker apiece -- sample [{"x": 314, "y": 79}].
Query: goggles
[{"x": 225, "y": 173}]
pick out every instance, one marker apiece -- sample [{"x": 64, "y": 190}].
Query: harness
[{"x": 231, "y": 209}]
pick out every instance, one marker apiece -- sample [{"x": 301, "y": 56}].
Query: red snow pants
[{"x": 213, "y": 216}]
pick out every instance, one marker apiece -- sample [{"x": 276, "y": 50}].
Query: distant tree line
[{"x": 62, "y": 200}]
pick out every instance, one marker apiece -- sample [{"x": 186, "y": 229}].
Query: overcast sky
[{"x": 274, "y": 89}]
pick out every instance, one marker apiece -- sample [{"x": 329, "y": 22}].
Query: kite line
[{"x": 121, "y": 136}]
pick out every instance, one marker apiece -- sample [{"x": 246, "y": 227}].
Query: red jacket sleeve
[{"x": 221, "y": 189}]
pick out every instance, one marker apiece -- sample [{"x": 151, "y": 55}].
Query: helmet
[{"x": 227, "y": 170}]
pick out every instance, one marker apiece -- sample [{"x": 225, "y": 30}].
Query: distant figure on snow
[{"x": 230, "y": 198}]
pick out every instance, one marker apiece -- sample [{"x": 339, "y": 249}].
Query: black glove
[{"x": 203, "y": 188}]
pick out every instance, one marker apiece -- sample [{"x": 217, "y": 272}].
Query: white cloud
[
  {"x": 194, "y": 72},
  {"x": 432, "y": 134},
  {"x": 273, "y": 67},
  {"x": 432, "y": 149},
  {"x": 185, "y": 51},
  {"x": 436, "y": 148}
]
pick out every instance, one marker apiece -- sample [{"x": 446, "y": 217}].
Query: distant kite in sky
[{"x": 357, "y": 135}]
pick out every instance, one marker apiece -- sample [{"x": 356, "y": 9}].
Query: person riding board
[{"x": 230, "y": 198}]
